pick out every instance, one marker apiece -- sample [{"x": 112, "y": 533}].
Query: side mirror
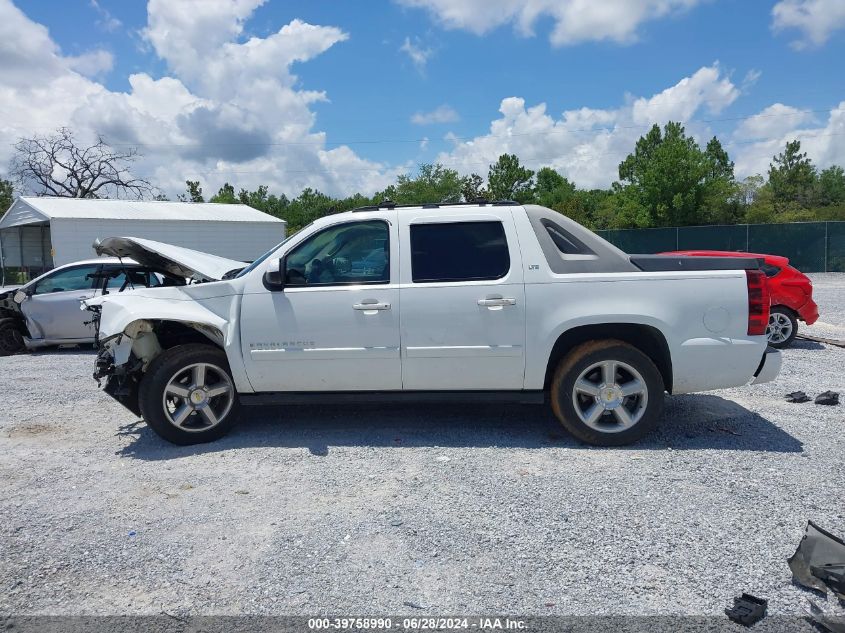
[
  {"x": 20, "y": 297},
  {"x": 274, "y": 278}
]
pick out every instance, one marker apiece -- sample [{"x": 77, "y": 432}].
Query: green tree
[
  {"x": 225, "y": 195},
  {"x": 508, "y": 180},
  {"x": 553, "y": 190},
  {"x": 792, "y": 177},
  {"x": 669, "y": 181},
  {"x": 432, "y": 184},
  {"x": 7, "y": 195},
  {"x": 307, "y": 207},
  {"x": 472, "y": 188},
  {"x": 831, "y": 186},
  {"x": 719, "y": 164},
  {"x": 194, "y": 192}
]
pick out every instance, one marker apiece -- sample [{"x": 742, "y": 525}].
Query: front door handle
[
  {"x": 497, "y": 302},
  {"x": 371, "y": 308}
]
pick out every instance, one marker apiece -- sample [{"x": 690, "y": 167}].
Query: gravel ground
[{"x": 368, "y": 509}]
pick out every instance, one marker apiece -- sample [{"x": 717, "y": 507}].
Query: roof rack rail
[{"x": 478, "y": 202}]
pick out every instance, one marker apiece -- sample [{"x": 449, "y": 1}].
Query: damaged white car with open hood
[
  {"x": 45, "y": 311},
  {"x": 490, "y": 302}
]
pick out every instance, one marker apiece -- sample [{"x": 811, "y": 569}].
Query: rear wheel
[
  {"x": 782, "y": 328},
  {"x": 607, "y": 393},
  {"x": 187, "y": 395},
  {"x": 11, "y": 337}
]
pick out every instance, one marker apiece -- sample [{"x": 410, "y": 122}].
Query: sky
[{"x": 344, "y": 95}]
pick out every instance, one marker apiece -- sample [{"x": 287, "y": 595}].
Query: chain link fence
[{"x": 811, "y": 247}]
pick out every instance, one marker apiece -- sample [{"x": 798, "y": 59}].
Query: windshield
[{"x": 263, "y": 258}]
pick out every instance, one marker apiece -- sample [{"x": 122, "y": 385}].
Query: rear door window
[{"x": 459, "y": 251}]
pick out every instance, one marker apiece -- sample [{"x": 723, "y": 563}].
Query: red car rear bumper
[{"x": 809, "y": 312}]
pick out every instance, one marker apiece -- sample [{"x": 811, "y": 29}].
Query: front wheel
[
  {"x": 187, "y": 395},
  {"x": 782, "y": 328},
  {"x": 11, "y": 337},
  {"x": 607, "y": 393}
]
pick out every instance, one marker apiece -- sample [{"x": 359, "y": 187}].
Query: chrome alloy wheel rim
[
  {"x": 610, "y": 396},
  {"x": 779, "y": 328},
  {"x": 198, "y": 397}
]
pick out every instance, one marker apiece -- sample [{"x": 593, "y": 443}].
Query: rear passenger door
[{"x": 462, "y": 301}]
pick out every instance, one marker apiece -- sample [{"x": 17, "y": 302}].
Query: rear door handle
[
  {"x": 497, "y": 302},
  {"x": 367, "y": 307}
]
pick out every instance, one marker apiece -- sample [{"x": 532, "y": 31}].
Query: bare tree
[{"x": 56, "y": 165}]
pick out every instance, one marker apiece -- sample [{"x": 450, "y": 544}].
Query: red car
[{"x": 790, "y": 289}]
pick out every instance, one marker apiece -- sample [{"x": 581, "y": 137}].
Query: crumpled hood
[{"x": 176, "y": 260}]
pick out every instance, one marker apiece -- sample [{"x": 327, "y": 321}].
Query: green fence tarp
[
  {"x": 810, "y": 246},
  {"x": 713, "y": 238},
  {"x": 643, "y": 240},
  {"x": 836, "y": 247},
  {"x": 802, "y": 242}
]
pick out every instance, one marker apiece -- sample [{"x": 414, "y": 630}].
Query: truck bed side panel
[{"x": 702, "y": 316}]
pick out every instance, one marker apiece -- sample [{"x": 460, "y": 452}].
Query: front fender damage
[
  {"x": 123, "y": 358},
  {"x": 134, "y": 328}
]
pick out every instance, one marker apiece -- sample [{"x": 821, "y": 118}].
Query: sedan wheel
[{"x": 782, "y": 327}]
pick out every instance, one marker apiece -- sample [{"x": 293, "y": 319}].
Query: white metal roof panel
[
  {"x": 138, "y": 210},
  {"x": 21, "y": 214}
]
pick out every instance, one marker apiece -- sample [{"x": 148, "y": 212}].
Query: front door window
[{"x": 350, "y": 253}]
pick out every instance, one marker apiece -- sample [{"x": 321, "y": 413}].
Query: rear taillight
[{"x": 758, "y": 302}]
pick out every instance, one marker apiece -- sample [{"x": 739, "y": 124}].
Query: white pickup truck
[{"x": 485, "y": 301}]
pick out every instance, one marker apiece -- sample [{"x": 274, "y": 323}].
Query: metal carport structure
[{"x": 38, "y": 233}]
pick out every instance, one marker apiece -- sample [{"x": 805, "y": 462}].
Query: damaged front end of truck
[{"x": 134, "y": 328}]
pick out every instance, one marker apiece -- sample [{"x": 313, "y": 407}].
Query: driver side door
[
  {"x": 52, "y": 311},
  {"x": 335, "y": 326}
]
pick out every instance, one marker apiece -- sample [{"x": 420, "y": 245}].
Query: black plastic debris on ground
[
  {"x": 819, "y": 564},
  {"x": 747, "y": 609},
  {"x": 825, "y": 620},
  {"x": 819, "y": 561},
  {"x": 797, "y": 397},
  {"x": 829, "y": 398}
]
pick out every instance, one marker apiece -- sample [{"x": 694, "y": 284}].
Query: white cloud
[
  {"x": 418, "y": 54},
  {"x": 91, "y": 64},
  {"x": 706, "y": 88},
  {"x": 587, "y": 144},
  {"x": 823, "y": 143},
  {"x": 574, "y": 20},
  {"x": 441, "y": 114},
  {"x": 751, "y": 78},
  {"x": 107, "y": 21},
  {"x": 230, "y": 109},
  {"x": 817, "y": 20},
  {"x": 774, "y": 121}
]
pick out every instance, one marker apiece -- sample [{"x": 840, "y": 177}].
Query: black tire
[
  {"x": 782, "y": 321},
  {"x": 11, "y": 337},
  {"x": 196, "y": 429},
  {"x": 607, "y": 429}
]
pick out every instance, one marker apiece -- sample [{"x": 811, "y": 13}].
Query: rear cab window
[{"x": 459, "y": 251}]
